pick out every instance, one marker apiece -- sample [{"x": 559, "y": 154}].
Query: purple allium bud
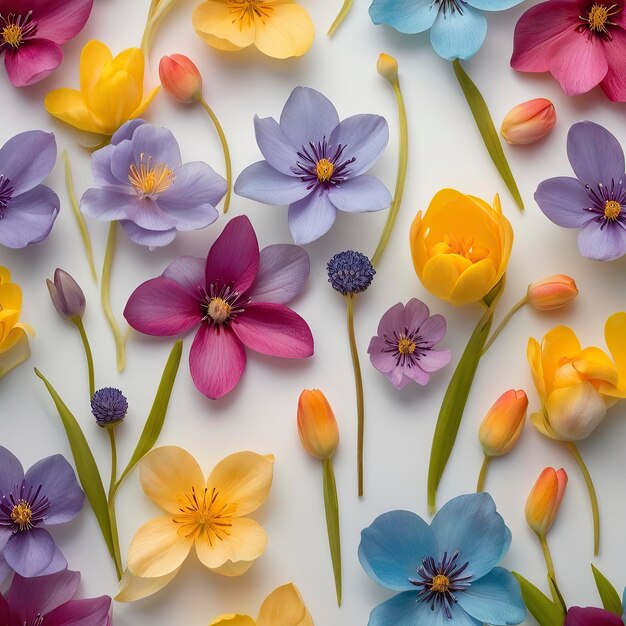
[
  {"x": 67, "y": 296},
  {"x": 109, "y": 406},
  {"x": 350, "y": 272}
]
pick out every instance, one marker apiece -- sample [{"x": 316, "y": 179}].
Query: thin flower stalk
[
  {"x": 482, "y": 477},
  {"x": 88, "y": 355},
  {"x": 505, "y": 320},
  {"x": 341, "y": 16},
  {"x": 156, "y": 13},
  {"x": 111, "y": 502},
  {"x": 332, "y": 522}
]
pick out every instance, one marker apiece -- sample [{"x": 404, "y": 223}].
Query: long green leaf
[
  {"x": 488, "y": 132},
  {"x": 332, "y": 523},
  {"x": 86, "y": 467},
  {"x": 541, "y": 607},
  {"x": 610, "y": 598}
]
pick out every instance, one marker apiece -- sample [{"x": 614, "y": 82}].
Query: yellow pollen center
[
  {"x": 21, "y": 515},
  {"x": 612, "y": 209},
  {"x": 12, "y": 35},
  {"x": 599, "y": 17},
  {"x": 249, "y": 10},
  {"x": 324, "y": 170},
  {"x": 406, "y": 346},
  {"x": 441, "y": 583},
  {"x": 148, "y": 179},
  {"x": 219, "y": 310},
  {"x": 466, "y": 247}
]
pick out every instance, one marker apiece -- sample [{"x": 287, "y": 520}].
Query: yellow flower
[
  {"x": 111, "y": 91},
  {"x": 461, "y": 246},
  {"x": 283, "y": 607},
  {"x": 206, "y": 515},
  {"x": 577, "y": 386},
  {"x": 278, "y": 28}
]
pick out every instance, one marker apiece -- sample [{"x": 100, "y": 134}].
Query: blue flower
[
  {"x": 446, "y": 571},
  {"x": 457, "y": 27}
]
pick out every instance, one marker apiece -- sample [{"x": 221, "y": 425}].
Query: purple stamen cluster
[
  {"x": 6, "y": 193},
  {"x": 312, "y": 154},
  {"x": 28, "y": 496},
  {"x": 109, "y": 406},
  {"x": 350, "y": 272},
  {"x": 603, "y": 194}
]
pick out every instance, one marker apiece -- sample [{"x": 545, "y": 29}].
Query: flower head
[
  {"x": 109, "y": 406},
  {"x": 181, "y": 78},
  {"x": 143, "y": 183},
  {"x": 404, "y": 348},
  {"x": 317, "y": 425},
  {"x": 445, "y": 571},
  {"x": 66, "y": 295},
  {"x": 387, "y": 67},
  {"x": 544, "y": 501},
  {"x": 528, "y": 122},
  {"x": 316, "y": 164},
  {"x": 502, "y": 426},
  {"x": 350, "y": 272},
  {"x": 552, "y": 292},
  {"x": 589, "y": 616}
]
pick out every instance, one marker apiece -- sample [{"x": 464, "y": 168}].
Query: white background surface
[{"x": 259, "y": 415}]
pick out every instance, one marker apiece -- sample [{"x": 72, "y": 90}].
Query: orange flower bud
[
  {"x": 552, "y": 292},
  {"x": 387, "y": 67},
  {"x": 504, "y": 423},
  {"x": 545, "y": 499},
  {"x": 317, "y": 424},
  {"x": 528, "y": 122},
  {"x": 180, "y": 78}
]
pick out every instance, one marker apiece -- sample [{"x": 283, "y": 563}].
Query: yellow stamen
[
  {"x": 324, "y": 170},
  {"x": 148, "y": 179},
  {"x": 21, "y": 515},
  {"x": 612, "y": 209},
  {"x": 12, "y": 35},
  {"x": 406, "y": 346},
  {"x": 463, "y": 246},
  {"x": 219, "y": 310},
  {"x": 250, "y": 10},
  {"x": 599, "y": 16},
  {"x": 441, "y": 583}
]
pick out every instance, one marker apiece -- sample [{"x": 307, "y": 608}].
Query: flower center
[
  {"x": 599, "y": 17},
  {"x": 148, "y": 178},
  {"x": 6, "y": 193},
  {"x": 250, "y": 10},
  {"x": 21, "y": 515},
  {"x": 463, "y": 246},
  {"x": 322, "y": 164},
  {"x": 16, "y": 28},
  {"x": 221, "y": 304},
  {"x": 440, "y": 583},
  {"x": 219, "y": 310},
  {"x": 406, "y": 346},
  {"x": 450, "y": 6},
  {"x": 612, "y": 209},
  {"x": 324, "y": 170},
  {"x": 12, "y": 35}
]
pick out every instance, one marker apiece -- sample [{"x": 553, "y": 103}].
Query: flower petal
[
  {"x": 564, "y": 200},
  {"x": 433, "y": 329},
  {"x": 32, "y": 62},
  {"x": 589, "y": 616},
  {"x": 30, "y": 553},
  {"x": 457, "y": 35},
  {"x": 406, "y": 16},
  {"x": 158, "y": 143},
  {"x": 311, "y": 217},
  {"x": 274, "y": 145},
  {"x": 32, "y": 596},
  {"x": 601, "y": 240},
  {"x": 20, "y": 351},
  {"x": 134, "y": 588},
  {"x": 614, "y": 333},
  {"x": 614, "y": 83},
  {"x": 60, "y": 20},
  {"x": 150, "y": 238},
  {"x": 215, "y": 19},
  {"x": 188, "y": 272},
  {"x": 68, "y": 106},
  {"x": 11, "y": 471},
  {"x": 261, "y": 182},
  {"x": 360, "y": 195},
  {"x": 382, "y": 359},
  {"x": 86, "y": 612},
  {"x": 233, "y": 619},
  {"x": 284, "y": 607},
  {"x": 108, "y": 204},
  {"x": 435, "y": 360},
  {"x": 288, "y": 32},
  {"x": 494, "y": 5}
]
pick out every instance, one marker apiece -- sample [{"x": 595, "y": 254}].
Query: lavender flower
[
  {"x": 404, "y": 350},
  {"x": 316, "y": 164},
  {"x": 109, "y": 406}
]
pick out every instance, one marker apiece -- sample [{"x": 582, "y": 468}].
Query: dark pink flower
[
  {"x": 577, "y": 616},
  {"x": 32, "y": 32},
  {"x": 237, "y": 297}
]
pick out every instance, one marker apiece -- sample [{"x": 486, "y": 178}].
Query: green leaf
[
  {"x": 610, "y": 598},
  {"x": 546, "y": 612},
  {"x": 481, "y": 114},
  {"x": 86, "y": 467},
  {"x": 332, "y": 523}
]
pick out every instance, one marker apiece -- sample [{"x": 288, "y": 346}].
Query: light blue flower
[
  {"x": 457, "y": 27},
  {"x": 446, "y": 572}
]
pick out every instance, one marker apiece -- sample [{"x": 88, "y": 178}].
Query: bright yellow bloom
[
  {"x": 278, "y": 28},
  {"x": 460, "y": 246},
  {"x": 111, "y": 91},
  {"x": 283, "y": 607}
]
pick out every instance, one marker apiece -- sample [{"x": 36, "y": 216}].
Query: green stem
[
  {"x": 158, "y": 10},
  {"x": 548, "y": 558},
  {"x": 505, "y": 320},
  {"x": 331, "y": 506},
  {"x": 105, "y": 294},
  {"x": 83, "y": 335},
  {"x": 111, "y": 502},
  {"x": 345, "y": 9},
  {"x": 480, "y": 485}
]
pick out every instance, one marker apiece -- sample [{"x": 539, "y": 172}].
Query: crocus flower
[
  {"x": 594, "y": 201},
  {"x": 31, "y": 35},
  {"x": 446, "y": 571},
  {"x": 236, "y": 296},
  {"x": 528, "y": 122},
  {"x": 48, "y": 494},
  {"x": 316, "y": 164},
  {"x": 49, "y": 601},
  {"x": 581, "y": 43},
  {"x": 143, "y": 183},
  {"x": 589, "y": 616}
]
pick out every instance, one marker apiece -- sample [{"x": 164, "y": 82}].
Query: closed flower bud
[
  {"x": 545, "y": 499},
  {"x": 67, "y": 296},
  {"x": 528, "y": 122},
  {"x": 504, "y": 423},
  {"x": 317, "y": 425},
  {"x": 109, "y": 406},
  {"x": 180, "y": 78},
  {"x": 552, "y": 292},
  {"x": 387, "y": 67}
]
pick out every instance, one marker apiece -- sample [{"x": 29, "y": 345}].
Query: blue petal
[
  {"x": 401, "y": 610},
  {"x": 393, "y": 548},
  {"x": 494, "y": 5},
  {"x": 360, "y": 195},
  {"x": 406, "y": 16},
  {"x": 274, "y": 145},
  {"x": 261, "y": 182},
  {"x": 458, "y": 35},
  {"x": 471, "y": 525},
  {"x": 311, "y": 217}
]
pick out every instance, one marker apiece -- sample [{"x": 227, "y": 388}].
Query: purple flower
[
  {"x": 47, "y": 495},
  {"x": 595, "y": 201},
  {"x": 316, "y": 164},
  {"x": 403, "y": 350},
  {"x": 577, "y": 616},
  {"x": 66, "y": 295},
  {"x": 27, "y": 208},
  {"x": 143, "y": 183},
  {"x": 47, "y": 601}
]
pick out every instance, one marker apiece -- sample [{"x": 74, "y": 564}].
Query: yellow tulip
[
  {"x": 111, "y": 91},
  {"x": 460, "y": 246}
]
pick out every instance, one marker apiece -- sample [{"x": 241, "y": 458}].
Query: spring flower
[
  {"x": 66, "y": 295},
  {"x": 502, "y": 426},
  {"x": 317, "y": 425},
  {"x": 552, "y": 292},
  {"x": 316, "y": 164},
  {"x": 544, "y": 501},
  {"x": 589, "y": 616},
  {"x": 387, "y": 67},
  {"x": 581, "y": 43},
  {"x": 48, "y": 494},
  {"x": 528, "y": 122},
  {"x": 446, "y": 571},
  {"x": 594, "y": 201},
  {"x": 236, "y": 297},
  {"x": 460, "y": 246},
  {"x": 350, "y": 272},
  {"x": 143, "y": 183},
  {"x": 104, "y": 80},
  {"x": 277, "y": 28},
  {"x": 180, "y": 78},
  {"x": 109, "y": 406},
  {"x": 31, "y": 35}
]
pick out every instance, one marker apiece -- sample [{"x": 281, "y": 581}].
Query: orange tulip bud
[
  {"x": 387, "y": 67},
  {"x": 528, "y": 122},
  {"x": 545, "y": 499},
  {"x": 180, "y": 78},
  {"x": 504, "y": 423},
  {"x": 317, "y": 424},
  {"x": 552, "y": 292}
]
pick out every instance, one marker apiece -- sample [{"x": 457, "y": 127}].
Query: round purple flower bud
[
  {"x": 109, "y": 406},
  {"x": 66, "y": 295},
  {"x": 350, "y": 272}
]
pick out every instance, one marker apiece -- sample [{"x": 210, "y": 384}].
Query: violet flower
[
  {"x": 404, "y": 350},
  {"x": 27, "y": 208},
  {"x": 48, "y": 494},
  {"x": 594, "y": 201},
  {"x": 236, "y": 296},
  {"x": 143, "y": 184},
  {"x": 316, "y": 164}
]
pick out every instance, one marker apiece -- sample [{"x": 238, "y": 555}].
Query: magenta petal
[
  {"x": 5, "y": 613},
  {"x": 217, "y": 360},
  {"x": 188, "y": 272},
  {"x": 614, "y": 83},
  {"x": 32, "y": 62},
  {"x": 60, "y": 20},
  {"x": 577, "y": 616},
  {"x": 30, "y": 596},
  {"x": 88, "y": 612}
]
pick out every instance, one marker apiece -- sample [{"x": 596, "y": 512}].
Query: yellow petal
[
  {"x": 14, "y": 335},
  {"x": 215, "y": 18},
  {"x": 114, "y": 99},
  {"x": 233, "y": 619},
  {"x": 441, "y": 273},
  {"x": 134, "y": 588},
  {"x": 474, "y": 283},
  {"x": 68, "y": 106},
  {"x": 133, "y": 63},
  {"x": 146, "y": 103},
  {"x": 615, "y": 336},
  {"x": 596, "y": 368},
  {"x": 539, "y": 422},
  {"x": 287, "y": 32},
  {"x": 16, "y": 355},
  {"x": 558, "y": 345},
  {"x": 575, "y": 412},
  {"x": 5, "y": 275},
  {"x": 533, "y": 353},
  {"x": 219, "y": 44},
  {"x": 284, "y": 607},
  {"x": 93, "y": 58},
  {"x": 10, "y": 297}
]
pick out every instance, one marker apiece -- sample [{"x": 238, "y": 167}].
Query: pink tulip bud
[
  {"x": 529, "y": 122},
  {"x": 545, "y": 499},
  {"x": 503, "y": 424},
  {"x": 66, "y": 295},
  {"x": 180, "y": 78},
  {"x": 552, "y": 292}
]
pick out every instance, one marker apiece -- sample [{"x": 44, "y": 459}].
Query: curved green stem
[
  {"x": 111, "y": 502},
  {"x": 345, "y": 9},
  {"x": 156, "y": 13},
  {"x": 331, "y": 505},
  {"x": 505, "y": 320},
  {"x": 83, "y": 335},
  {"x": 225, "y": 149},
  {"x": 480, "y": 485},
  {"x": 557, "y": 596}
]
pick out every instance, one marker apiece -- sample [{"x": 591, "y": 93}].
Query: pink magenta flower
[
  {"x": 582, "y": 43},
  {"x": 32, "y": 32},
  {"x": 237, "y": 297}
]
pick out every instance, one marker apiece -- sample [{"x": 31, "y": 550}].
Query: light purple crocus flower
[
  {"x": 316, "y": 164},
  {"x": 404, "y": 350},
  {"x": 143, "y": 184},
  {"x": 27, "y": 208},
  {"x": 594, "y": 201},
  {"x": 48, "y": 601},
  {"x": 48, "y": 494}
]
